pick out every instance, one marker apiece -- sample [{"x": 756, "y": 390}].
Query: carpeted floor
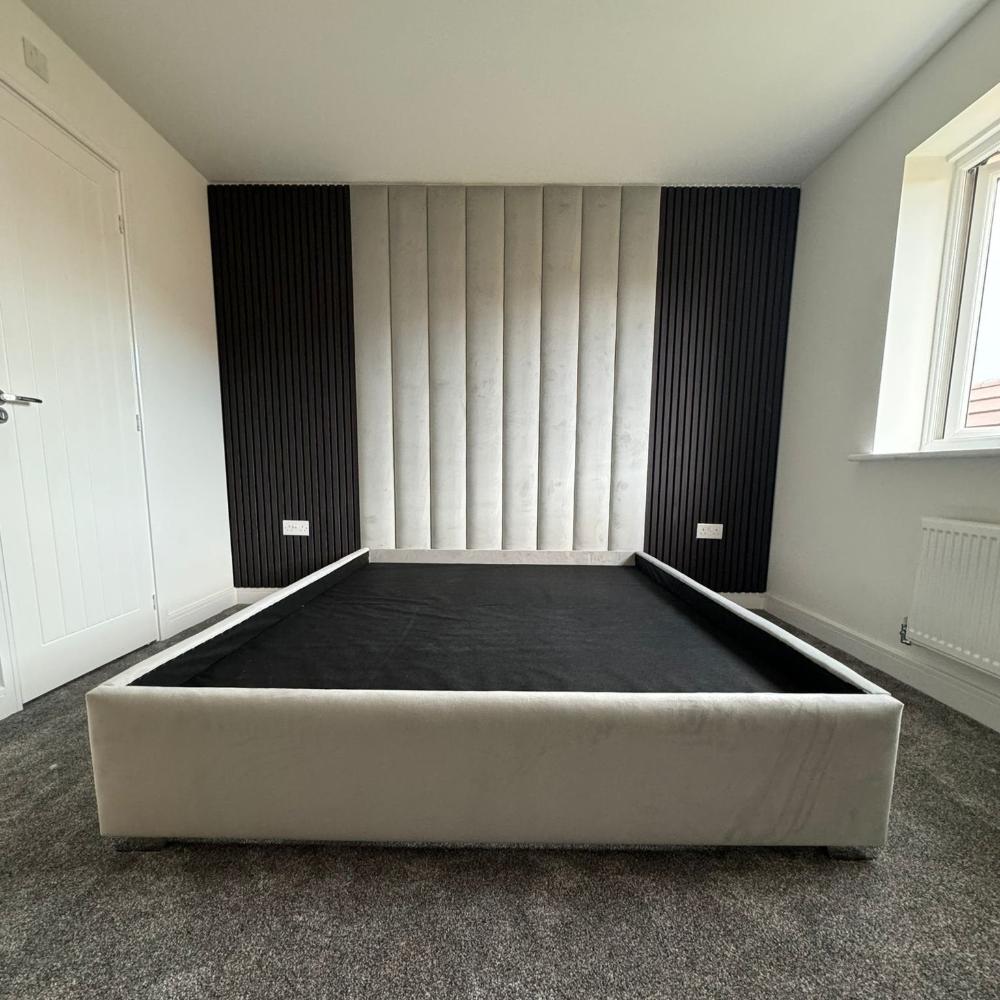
[{"x": 277, "y": 922}]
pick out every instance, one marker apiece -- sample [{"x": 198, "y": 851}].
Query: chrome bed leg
[{"x": 853, "y": 853}]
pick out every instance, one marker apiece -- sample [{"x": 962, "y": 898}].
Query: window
[
  {"x": 939, "y": 390},
  {"x": 964, "y": 402}
]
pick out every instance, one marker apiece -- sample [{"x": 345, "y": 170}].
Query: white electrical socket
[
  {"x": 295, "y": 527},
  {"x": 35, "y": 59},
  {"x": 708, "y": 531}
]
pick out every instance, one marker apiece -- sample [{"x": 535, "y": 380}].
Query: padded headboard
[{"x": 503, "y": 343}]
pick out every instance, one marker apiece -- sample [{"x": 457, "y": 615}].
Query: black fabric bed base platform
[{"x": 497, "y": 628}]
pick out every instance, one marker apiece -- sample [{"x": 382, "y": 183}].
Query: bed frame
[{"x": 470, "y": 767}]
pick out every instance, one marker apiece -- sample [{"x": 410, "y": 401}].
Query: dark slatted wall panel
[
  {"x": 282, "y": 261},
  {"x": 724, "y": 282}
]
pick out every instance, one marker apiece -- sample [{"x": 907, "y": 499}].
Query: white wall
[
  {"x": 174, "y": 315},
  {"x": 503, "y": 343},
  {"x": 846, "y": 534}
]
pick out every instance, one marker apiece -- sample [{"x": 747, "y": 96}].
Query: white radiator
[{"x": 956, "y": 598}]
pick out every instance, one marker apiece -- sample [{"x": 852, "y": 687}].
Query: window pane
[{"x": 983, "y": 408}]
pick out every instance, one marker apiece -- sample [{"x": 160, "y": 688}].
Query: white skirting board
[
  {"x": 251, "y": 595},
  {"x": 176, "y": 620},
  {"x": 752, "y": 602},
  {"x": 965, "y": 689}
]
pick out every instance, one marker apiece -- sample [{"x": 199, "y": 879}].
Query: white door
[{"x": 73, "y": 518}]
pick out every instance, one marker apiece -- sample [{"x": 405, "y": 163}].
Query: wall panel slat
[
  {"x": 598, "y": 333},
  {"x": 282, "y": 263},
  {"x": 410, "y": 374},
  {"x": 373, "y": 348},
  {"x": 447, "y": 375},
  {"x": 560, "y": 332},
  {"x": 521, "y": 359},
  {"x": 636, "y": 309},
  {"x": 723, "y": 288},
  {"x": 484, "y": 208}
]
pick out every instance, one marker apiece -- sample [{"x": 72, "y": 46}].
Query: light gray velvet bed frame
[{"x": 470, "y": 767}]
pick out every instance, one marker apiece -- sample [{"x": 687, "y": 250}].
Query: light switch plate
[
  {"x": 35, "y": 59},
  {"x": 295, "y": 527},
  {"x": 708, "y": 531}
]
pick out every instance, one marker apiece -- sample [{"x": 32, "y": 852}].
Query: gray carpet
[{"x": 202, "y": 921}]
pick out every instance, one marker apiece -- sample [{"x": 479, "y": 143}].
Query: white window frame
[{"x": 972, "y": 207}]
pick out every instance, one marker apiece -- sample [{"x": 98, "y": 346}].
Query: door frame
[
  {"x": 10, "y": 692},
  {"x": 8, "y": 651}
]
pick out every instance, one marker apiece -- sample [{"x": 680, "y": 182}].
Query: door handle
[{"x": 12, "y": 397}]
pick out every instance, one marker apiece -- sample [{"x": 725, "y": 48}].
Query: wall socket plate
[
  {"x": 295, "y": 527},
  {"x": 35, "y": 59},
  {"x": 708, "y": 530}
]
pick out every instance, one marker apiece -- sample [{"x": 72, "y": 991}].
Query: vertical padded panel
[
  {"x": 561, "y": 223},
  {"x": 640, "y": 223},
  {"x": 484, "y": 283},
  {"x": 410, "y": 377},
  {"x": 446, "y": 337},
  {"x": 281, "y": 259},
  {"x": 373, "y": 362},
  {"x": 725, "y": 272},
  {"x": 510, "y": 332},
  {"x": 522, "y": 344},
  {"x": 598, "y": 323}
]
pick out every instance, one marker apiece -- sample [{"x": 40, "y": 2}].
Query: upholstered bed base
[{"x": 493, "y": 767}]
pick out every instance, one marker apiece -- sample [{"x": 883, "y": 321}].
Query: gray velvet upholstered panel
[
  {"x": 504, "y": 356},
  {"x": 373, "y": 358},
  {"x": 494, "y": 766}
]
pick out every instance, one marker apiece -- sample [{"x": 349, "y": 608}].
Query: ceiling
[{"x": 661, "y": 91}]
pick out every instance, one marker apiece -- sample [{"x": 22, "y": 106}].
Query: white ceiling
[{"x": 696, "y": 91}]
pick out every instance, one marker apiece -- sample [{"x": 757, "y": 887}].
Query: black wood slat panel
[
  {"x": 723, "y": 289},
  {"x": 283, "y": 297}
]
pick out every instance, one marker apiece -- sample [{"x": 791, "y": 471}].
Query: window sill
[{"x": 905, "y": 456}]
